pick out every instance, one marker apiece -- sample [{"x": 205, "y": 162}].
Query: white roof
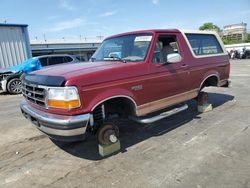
[{"x": 198, "y": 31}]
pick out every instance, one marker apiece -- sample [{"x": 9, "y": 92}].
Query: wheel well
[
  {"x": 10, "y": 77},
  {"x": 115, "y": 107},
  {"x": 210, "y": 81}
]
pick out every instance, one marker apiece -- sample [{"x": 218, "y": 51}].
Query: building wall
[
  {"x": 82, "y": 54},
  {"x": 235, "y": 32},
  {"x": 14, "y": 45},
  {"x": 84, "y": 50}
]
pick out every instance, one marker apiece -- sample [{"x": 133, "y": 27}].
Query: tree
[
  {"x": 229, "y": 41},
  {"x": 210, "y": 26},
  {"x": 248, "y": 38}
]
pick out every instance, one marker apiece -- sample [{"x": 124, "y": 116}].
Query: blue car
[{"x": 10, "y": 77}]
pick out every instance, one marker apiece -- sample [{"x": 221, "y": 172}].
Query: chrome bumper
[{"x": 59, "y": 127}]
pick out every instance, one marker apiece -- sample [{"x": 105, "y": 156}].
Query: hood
[
  {"x": 26, "y": 67},
  {"x": 90, "y": 73},
  {"x": 4, "y": 71},
  {"x": 74, "y": 70}
]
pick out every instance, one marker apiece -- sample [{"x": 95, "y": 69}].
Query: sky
[{"x": 56, "y": 19}]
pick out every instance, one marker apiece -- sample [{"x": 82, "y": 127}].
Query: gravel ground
[{"x": 186, "y": 150}]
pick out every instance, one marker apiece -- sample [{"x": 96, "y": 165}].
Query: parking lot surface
[{"x": 186, "y": 150}]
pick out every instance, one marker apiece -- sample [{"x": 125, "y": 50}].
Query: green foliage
[
  {"x": 210, "y": 26},
  {"x": 248, "y": 38},
  {"x": 228, "y": 41}
]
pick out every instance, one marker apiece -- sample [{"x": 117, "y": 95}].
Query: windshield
[{"x": 132, "y": 47}]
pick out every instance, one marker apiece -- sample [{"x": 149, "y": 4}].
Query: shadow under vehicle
[{"x": 133, "y": 133}]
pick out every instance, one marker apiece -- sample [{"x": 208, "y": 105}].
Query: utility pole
[
  {"x": 100, "y": 36},
  {"x": 44, "y": 37}
]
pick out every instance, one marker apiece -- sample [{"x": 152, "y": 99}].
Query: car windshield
[{"x": 133, "y": 47}]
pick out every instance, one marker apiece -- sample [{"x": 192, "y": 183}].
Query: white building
[{"x": 235, "y": 32}]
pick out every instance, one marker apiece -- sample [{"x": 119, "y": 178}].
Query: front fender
[
  {"x": 14, "y": 75},
  {"x": 110, "y": 94}
]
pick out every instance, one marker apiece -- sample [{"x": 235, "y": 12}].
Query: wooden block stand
[
  {"x": 205, "y": 108},
  {"x": 105, "y": 150},
  {"x": 202, "y": 101}
]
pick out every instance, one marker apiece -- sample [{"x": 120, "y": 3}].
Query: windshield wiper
[{"x": 112, "y": 58}]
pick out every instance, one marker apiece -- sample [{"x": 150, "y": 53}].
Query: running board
[{"x": 160, "y": 116}]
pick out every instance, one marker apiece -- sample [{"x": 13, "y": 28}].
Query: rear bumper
[{"x": 58, "y": 127}]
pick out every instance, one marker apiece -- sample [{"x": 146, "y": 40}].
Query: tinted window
[
  {"x": 78, "y": 58},
  {"x": 55, "y": 60},
  {"x": 67, "y": 59},
  {"x": 44, "y": 61},
  {"x": 204, "y": 44}
]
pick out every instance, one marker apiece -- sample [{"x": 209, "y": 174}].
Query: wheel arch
[
  {"x": 127, "y": 99},
  {"x": 12, "y": 76},
  {"x": 211, "y": 79}
]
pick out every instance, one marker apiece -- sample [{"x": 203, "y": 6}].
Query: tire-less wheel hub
[{"x": 108, "y": 134}]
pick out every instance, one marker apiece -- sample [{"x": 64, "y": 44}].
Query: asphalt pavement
[{"x": 190, "y": 149}]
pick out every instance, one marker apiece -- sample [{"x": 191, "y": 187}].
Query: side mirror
[{"x": 174, "y": 58}]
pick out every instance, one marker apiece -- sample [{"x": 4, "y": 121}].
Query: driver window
[{"x": 166, "y": 44}]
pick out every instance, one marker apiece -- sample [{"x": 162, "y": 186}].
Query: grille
[{"x": 34, "y": 94}]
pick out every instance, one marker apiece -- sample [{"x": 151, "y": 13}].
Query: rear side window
[
  {"x": 67, "y": 59},
  {"x": 56, "y": 60},
  {"x": 44, "y": 61},
  {"x": 204, "y": 44}
]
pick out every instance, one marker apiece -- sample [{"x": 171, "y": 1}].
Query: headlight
[{"x": 63, "y": 97}]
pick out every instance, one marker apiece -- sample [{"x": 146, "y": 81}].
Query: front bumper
[
  {"x": 58, "y": 127},
  {"x": 3, "y": 85}
]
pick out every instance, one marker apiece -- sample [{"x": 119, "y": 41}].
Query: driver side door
[{"x": 169, "y": 81}]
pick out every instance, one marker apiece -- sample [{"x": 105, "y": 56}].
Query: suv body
[
  {"x": 10, "y": 77},
  {"x": 131, "y": 75}
]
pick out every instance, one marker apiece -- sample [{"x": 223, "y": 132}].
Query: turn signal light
[{"x": 63, "y": 104}]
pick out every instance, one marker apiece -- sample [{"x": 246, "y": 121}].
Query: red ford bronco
[{"x": 131, "y": 75}]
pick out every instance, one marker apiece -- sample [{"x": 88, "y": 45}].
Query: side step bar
[{"x": 160, "y": 116}]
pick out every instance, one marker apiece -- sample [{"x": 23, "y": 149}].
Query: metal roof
[
  {"x": 13, "y": 25},
  {"x": 92, "y": 40},
  {"x": 66, "y": 48}
]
